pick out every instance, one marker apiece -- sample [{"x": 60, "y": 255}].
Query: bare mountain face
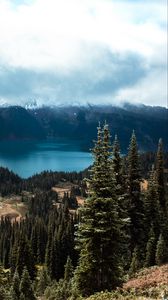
[{"x": 149, "y": 123}]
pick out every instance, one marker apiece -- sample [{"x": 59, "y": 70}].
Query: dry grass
[
  {"x": 66, "y": 188},
  {"x": 60, "y": 191},
  {"x": 147, "y": 278},
  {"x": 80, "y": 200},
  {"x": 144, "y": 185},
  {"x": 148, "y": 284},
  {"x": 13, "y": 208}
]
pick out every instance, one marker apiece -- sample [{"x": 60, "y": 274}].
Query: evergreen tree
[
  {"x": 135, "y": 263},
  {"x": 150, "y": 249},
  {"x": 119, "y": 179},
  {"x": 161, "y": 251},
  {"x": 41, "y": 241},
  {"x": 15, "y": 291},
  {"x": 136, "y": 207},
  {"x": 117, "y": 162},
  {"x": 13, "y": 257},
  {"x": 25, "y": 257},
  {"x": 68, "y": 273},
  {"x": 160, "y": 175},
  {"x": 22, "y": 297},
  {"x": 99, "y": 232},
  {"x": 49, "y": 251},
  {"x": 122, "y": 195},
  {"x": 26, "y": 291},
  {"x": 43, "y": 282},
  {"x": 151, "y": 204},
  {"x": 163, "y": 198},
  {"x": 2, "y": 284},
  {"x": 62, "y": 290},
  {"x": 2, "y": 293}
]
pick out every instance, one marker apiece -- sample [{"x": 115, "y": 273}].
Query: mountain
[
  {"x": 149, "y": 123},
  {"x": 17, "y": 123}
]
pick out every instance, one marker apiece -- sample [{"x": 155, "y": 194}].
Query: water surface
[{"x": 26, "y": 158}]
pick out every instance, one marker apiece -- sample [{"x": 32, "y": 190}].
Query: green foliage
[
  {"x": 26, "y": 291},
  {"x": 25, "y": 257},
  {"x": 2, "y": 293},
  {"x": 136, "y": 205},
  {"x": 150, "y": 249},
  {"x": 58, "y": 291},
  {"x": 100, "y": 230},
  {"x": 151, "y": 204},
  {"x": 15, "y": 289},
  {"x": 160, "y": 175},
  {"x": 135, "y": 263},
  {"x": 161, "y": 251},
  {"x": 4, "y": 284},
  {"x": 115, "y": 209},
  {"x": 43, "y": 282},
  {"x": 63, "y": 289},
  {"x": 117, "y": 162},
  {"x": 68, "y": 273}
]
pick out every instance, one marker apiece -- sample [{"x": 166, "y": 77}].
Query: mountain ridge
[{"x": 80, "y": 122}]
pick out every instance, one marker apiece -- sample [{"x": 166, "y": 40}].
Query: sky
[{"x": 61, "y": 52}]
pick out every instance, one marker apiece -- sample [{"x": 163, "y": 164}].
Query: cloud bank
[{"x": 80, "y": 51}]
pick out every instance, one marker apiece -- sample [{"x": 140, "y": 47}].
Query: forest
[{"x": 63, "y": 249}]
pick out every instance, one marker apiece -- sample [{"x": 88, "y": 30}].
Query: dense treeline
[
  {"x": 66, "y": 251},
  {"x": 13, "y": 184}
]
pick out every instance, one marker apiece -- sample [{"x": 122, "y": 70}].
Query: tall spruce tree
[
  {"x": 15, "y": 291},
  {"x": 160, "y": 175},
  {"x": 117, "y": 163},
  {"x": 122, "y": 195},
  {"x": 150, "y": 249},
  {"x": 163, "y": 198},
  {"x": 99, "y": 232},
  {"x": 161, "y": 251},
  {"x": 25, "y": 257},
  {"x": 26, "y": 291},
  {"x": 43, "y": 282},
  {"x": 151, "y": 205},
  {"x": 135, "y": 263},
  {"x": 2, "y": 284},
  {"x": 68, "y": 272},
  {"x": 119, "y": 179},
  {"x": 136, "y": 205}
]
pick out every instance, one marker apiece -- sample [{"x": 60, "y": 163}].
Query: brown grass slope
[{"x": 150, "y": 283}]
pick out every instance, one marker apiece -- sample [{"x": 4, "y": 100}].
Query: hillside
[
  {"x": 148, "y": 284},
  {"x": 81, "y": 122},
  {"x": 88, "y": 235},
  {"x": 17, "y": 123}
]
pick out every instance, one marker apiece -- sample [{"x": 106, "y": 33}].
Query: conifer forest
[{"x": 87, "y": 241}]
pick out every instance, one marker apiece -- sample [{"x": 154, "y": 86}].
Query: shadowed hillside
[{"x": 81, "y": 123}]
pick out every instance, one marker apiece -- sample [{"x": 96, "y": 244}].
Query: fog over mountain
[{"x": 82, "y": 51}]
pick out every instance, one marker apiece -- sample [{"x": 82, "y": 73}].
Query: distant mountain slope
[
  {"x": 149, "y": 123},
  {"x": 17, "y": 123}
]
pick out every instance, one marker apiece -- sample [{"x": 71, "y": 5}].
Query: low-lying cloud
[{"x": 80, "y": 51}]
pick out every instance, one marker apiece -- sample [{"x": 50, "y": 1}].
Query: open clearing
[
  {"x": 66, "y": 188},
  {"x": 12, "y": 207}
]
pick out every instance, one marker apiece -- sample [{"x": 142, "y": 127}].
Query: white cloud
[
  {"x": 63, "y": 36},
  {"x": 153, "y": 87}
]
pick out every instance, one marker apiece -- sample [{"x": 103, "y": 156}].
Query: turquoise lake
[{"x": 27, "y": 158}]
